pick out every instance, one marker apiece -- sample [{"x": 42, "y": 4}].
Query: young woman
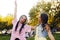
[
  {"x": 42, "y": 30},
  {"x": 19, "y": 28}
]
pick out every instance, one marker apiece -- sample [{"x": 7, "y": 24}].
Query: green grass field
[{"x": 7, "y": 37}]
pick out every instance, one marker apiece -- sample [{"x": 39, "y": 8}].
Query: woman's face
[
  {"x": 22, "y": 19},
  {"x": 39, "y": 19}
]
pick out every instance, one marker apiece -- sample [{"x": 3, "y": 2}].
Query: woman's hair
[
  {"x": 44, "y": 18},
  {"x": 21, "y": 26}
]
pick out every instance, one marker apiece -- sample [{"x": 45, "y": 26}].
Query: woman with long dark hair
[
  {"x": 19, "y": 28},
  {"x": 42, "y": 30}
]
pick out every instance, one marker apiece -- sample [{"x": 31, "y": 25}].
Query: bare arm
[
  {"x": 15, "y": 14},
  {"x": 15, "y": 11},
  {"x": 33, "y": 27},
  {"x": 49, "y": 33}
]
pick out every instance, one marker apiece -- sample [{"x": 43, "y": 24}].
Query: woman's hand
[{"x": 33, "y": 27}]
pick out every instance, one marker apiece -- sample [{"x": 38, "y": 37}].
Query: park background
[{"x": 32, "y": 9}]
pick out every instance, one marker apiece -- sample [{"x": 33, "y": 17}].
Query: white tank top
[{"x": 40, "y": 32}]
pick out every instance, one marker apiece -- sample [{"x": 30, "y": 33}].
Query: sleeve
[
  {"x": 28, "y": 28},
  {"x": 14, "y": 24},
  {"x": 14, "y": 21}
]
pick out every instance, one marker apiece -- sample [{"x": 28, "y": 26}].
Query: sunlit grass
[{"x": 7, "y": 37}]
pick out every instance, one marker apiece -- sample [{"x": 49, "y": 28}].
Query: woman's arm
[
  {"x": 33, "y": 27},
  {"x": 49, "y": 33},
  {"x": 15, "y": 11},
  {"x": 15, "y": 14}
]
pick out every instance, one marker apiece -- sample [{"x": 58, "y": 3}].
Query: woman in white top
[{"x": 42, "y": 30}]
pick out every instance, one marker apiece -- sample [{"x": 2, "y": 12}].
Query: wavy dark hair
[
  {"x": 44, "y": 18},
  {"x": 21, "y": 26}
]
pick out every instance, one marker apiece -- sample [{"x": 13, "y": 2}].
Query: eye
[
  {"x": 21, "y": 17},
  {"x": 24, "y": 19}
]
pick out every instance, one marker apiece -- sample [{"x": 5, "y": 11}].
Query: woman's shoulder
[
  {"x": 27, "y": 28},
  {"x": 14, "y": 21},
  {"x": 26, "y": 25},
  {"x": 47, "y": 27}
]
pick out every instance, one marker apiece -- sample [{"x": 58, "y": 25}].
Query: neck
[
  {"x": 40, "y": 22},
  {"x": 20, "y": 23}
]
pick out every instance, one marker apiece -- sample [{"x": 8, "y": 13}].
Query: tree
[
  {"x": 51, "y": 9},
  {"x": 33, "y": 14},
  {"x": 8, "y": 19},
  {"x": 6, "y": 22},
  {"x": 0, "y": 18},
  {"x": 56, "y": 20}
]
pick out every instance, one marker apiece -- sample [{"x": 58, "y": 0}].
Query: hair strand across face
[{"x": 21, "y": 26}]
